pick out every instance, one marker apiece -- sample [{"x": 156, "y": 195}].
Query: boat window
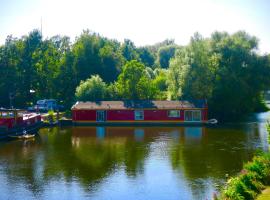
[
  {"x": 188, "y": 115},
  {"x": 197, "y": 115},
  {"x": 193, "y": 115},
  {"x": 11, "y": 114},
  {"x": 174, "y": 113},
  {"x": 4, "y": 114},
  {"x": 139, "y": 115}
]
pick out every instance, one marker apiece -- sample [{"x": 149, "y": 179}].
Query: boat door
[
  {"x": 193, "y": 115},
  {"x": 101, "y": 116}
]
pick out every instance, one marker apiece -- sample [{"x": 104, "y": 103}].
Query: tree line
[{"x": 225, "y": 69}]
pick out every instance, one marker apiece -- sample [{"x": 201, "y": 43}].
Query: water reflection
[{"x": 126, "y": 162}]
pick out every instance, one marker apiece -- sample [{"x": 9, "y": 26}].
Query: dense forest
[{"x": 225, "y": 69}]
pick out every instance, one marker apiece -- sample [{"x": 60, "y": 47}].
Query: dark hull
[{"x": 32, "y": 129}]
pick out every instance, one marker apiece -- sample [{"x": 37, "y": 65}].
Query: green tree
[
  {"x": 133, "y": 83},
  {"x": 165, "y": 54},
  {"x": 160, "y": 83},
  {"x": 93, "y": 89},
  {"x": 192, "y": 71},
  {"x": 241, "y": 76},
  {"x": 9, "y": 59},
  {"x": 94, "y": 54},
  {"x": 146, "y": 56},
  {"x": 128, "y": 50},
  {"x": 224, "y": 69}
]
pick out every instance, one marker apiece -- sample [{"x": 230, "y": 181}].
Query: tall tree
[
  {"x": 133, "y": 83},
  {"x": 93, "y": 89},
  {"x": 129, "y": 50}
]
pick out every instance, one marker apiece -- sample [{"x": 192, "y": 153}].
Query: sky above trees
[{"x": 144, "y": 22}]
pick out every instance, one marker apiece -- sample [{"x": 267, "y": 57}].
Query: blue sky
[{"x": 142, "y": 21}]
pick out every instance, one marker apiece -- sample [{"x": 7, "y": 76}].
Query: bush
[{"x": 249, "y": 183}]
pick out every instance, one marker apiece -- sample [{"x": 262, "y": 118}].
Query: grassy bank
[{"x": 250, "y": 182}]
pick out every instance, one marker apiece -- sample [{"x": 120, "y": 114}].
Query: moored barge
[
  {"x": 14, "y": 122},
  {"x": 141, "y": 112}
]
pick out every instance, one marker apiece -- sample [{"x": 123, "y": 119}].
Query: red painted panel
[
  {"x": 120, "y": 115},
  {"x": 84, "y": 115},
  {"x": 8, "y": 122},
  {"x": 205, "y": 114}
]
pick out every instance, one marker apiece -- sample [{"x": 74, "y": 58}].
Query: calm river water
[{"x": 128, "y": 163}]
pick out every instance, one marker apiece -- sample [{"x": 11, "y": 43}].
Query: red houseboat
[
  {"x": 140, "y": 112},
  {"x": 14, "y": 122}
]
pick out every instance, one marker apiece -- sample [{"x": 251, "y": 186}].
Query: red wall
[
  {"x": 126, "y": 115},
  {"x": 10, "y": 122},
  {"x": 84, "y": 115},
  {"x": 120, "y": 115},
  {"x": 205, "y": 114}
]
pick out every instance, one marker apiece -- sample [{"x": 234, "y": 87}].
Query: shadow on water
[{"x": 127, "y": 162}]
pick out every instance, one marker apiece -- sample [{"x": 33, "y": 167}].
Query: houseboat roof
[{"x": 138, "y": 104}]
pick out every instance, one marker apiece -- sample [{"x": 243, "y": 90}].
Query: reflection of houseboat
[
  {"x": 18, "y": 122},
  {"x": 140, "y": 112}
]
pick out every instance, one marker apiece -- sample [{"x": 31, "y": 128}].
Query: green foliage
[
  {"x": 165, "y": 54},
  {"x": 249, "y": 183},
  {"x": 128, "y": 50},
  {"x": 134, "y": 83},
  {"x": 92, "y": 89},
  {"x": 223, "y": 69},
  {"x": 96, "y": 55},
  {"x": 146, "y": 56},
  {"x": 51, "y": 116}
]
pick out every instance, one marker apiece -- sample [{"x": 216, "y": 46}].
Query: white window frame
[
  {"x": 141, "y": 114},
  {"x": 176, "y": 111},
  {"x": 192, "y": 115}
]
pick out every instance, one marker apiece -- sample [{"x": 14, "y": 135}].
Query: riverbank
[
  {"x": 253, "y": 180},
  {"x": 265, "y": 194},
  {"x": 254, "y": 177}
]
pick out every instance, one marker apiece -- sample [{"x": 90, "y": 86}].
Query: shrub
[{"x": 250, "y": 181}]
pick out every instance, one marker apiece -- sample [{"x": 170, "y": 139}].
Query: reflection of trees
[
  {"x": 118, "y": 147},
  {"x": 212, "y": 157},
  {"x": 89, "y": 155},
  {"x": 62, "y": 155},
  {"x": 17, "y": 161}
]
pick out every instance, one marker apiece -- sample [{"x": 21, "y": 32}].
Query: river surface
[{"x": 128, "y": 163}]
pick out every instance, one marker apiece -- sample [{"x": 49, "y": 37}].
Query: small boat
[
  {"x": 212, "y": 121},
  {"x": 18, "y": 123},
  {"x": 23, "y": 136}
]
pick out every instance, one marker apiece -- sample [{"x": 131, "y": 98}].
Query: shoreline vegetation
[
  {"x": 226, "y": 69},
  {"x": 251, "y": 181}
]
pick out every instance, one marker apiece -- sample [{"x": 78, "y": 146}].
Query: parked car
[{"x": 45, "y": 105}]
